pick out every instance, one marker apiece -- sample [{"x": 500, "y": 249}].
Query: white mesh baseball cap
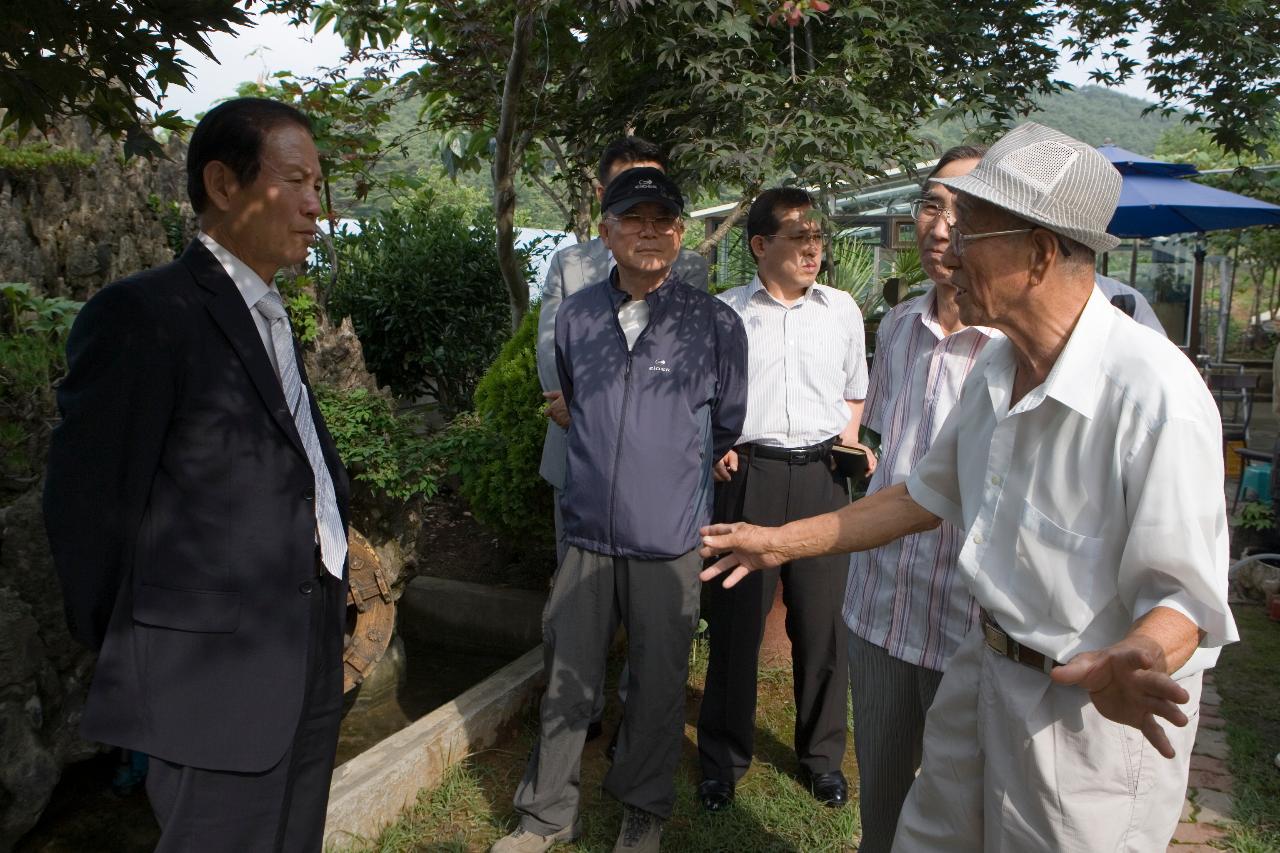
[{"x": 1048, "y": 178}]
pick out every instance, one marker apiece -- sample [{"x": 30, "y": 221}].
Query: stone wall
[
  {"x": 71, "y": 230},
  {"x": 66, "y": 230}
]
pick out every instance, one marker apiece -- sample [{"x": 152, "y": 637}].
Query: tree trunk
[
  {"x": 504, "y": 168},
  {"x": 707, "y": 246},
  {"x": 582, "y": 215}
]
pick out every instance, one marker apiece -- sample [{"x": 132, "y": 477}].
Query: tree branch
[
  {"x": 504, "y": 167},
  {"x": 744, "y": 203}
]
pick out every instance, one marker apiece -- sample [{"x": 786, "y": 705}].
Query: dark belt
[
  {"x": 793, "y": 455},
  {"x": 1002, "y": 644}
]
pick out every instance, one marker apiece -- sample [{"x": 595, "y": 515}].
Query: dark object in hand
[{"x": 849, "y": 462}]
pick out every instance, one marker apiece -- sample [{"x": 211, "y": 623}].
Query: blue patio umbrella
[{"x": 1156, "y": 200}]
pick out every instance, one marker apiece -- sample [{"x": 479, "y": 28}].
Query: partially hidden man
[
  {"x": 654, "y": 375},
  {"x": 197, "y": 508},
  {"x": 906, "y": 606}
]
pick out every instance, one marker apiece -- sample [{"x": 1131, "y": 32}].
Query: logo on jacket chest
[{"x": 660, "y": 365}]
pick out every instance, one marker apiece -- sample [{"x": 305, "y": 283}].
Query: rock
[
  {"x": 1255, "y": 580},
  {"x": 70, "y": 230}
]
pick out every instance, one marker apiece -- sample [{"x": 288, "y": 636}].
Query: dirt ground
[{"x": 454, "y": 545}]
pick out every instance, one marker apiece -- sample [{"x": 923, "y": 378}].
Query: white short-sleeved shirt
[
  {"x": 905, "y": 596},
  {"x": 1093, "y": 499},
  {"x": 804, "y": 361}
]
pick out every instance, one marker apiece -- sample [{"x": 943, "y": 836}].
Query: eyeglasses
[
  {"x": 634, "y": 223},
  {"x": 815, "y": 238},
  {"x": 926, "y": 210},
  {"x": 959, "y": 240}
]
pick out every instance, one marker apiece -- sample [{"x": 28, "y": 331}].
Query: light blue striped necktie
[{"x": 329, "y": 528}]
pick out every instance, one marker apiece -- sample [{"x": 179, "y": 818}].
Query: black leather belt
[
  {"x": 793, "y": 455},
  {"x": 1002, "y": 644}
]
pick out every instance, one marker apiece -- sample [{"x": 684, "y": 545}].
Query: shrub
[
  {"x": 496, "y": 450},
  {"x": 33, "y": 334},
  {"x": 1255, "y": 516},
  {"x": 378, "y": 447},
  {"x": 35, "y": 157},
  {"x": 422, "y": 286}
]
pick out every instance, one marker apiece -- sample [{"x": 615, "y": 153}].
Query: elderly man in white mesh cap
[{"x": 1082, "y": 462}]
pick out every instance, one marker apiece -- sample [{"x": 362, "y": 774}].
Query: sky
[{"x": 273, "y": 45}]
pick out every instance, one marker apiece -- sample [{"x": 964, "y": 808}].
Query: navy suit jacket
[{"x": 179, "y": 505}]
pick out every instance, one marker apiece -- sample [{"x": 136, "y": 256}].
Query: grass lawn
[
  {"x": 1248, "y": 678},
  {"x": 773, "y": 812}
]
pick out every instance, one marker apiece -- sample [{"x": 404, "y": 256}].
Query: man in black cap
[{"x": 654, "y": 375}]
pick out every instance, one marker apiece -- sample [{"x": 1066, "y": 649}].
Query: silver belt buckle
[{"x": 996, "y": 639}]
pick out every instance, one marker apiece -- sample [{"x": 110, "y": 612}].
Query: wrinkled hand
[
  {"x": 1127, "y": 684},
  {"x": 742, "y": 548},
  {"x": 556, "y": 408},
  {"x": 724, "y": 469}
]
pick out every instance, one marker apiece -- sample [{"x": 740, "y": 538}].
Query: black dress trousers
[
  {"x": 281, "y": 810},
  {"x": 773, "y": 492}
]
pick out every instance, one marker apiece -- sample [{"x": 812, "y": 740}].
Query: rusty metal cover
[{"x": 369, "y": 599}]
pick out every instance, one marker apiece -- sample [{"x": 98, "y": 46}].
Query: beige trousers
[{"x": 1014, "y": 763}]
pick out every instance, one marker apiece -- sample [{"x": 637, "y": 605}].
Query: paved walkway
[{"x": 1207, "y": 811}]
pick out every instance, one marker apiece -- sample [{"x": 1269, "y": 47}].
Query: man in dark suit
[{"x": 197, "y": 508}]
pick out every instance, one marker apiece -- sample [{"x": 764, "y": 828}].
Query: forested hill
[{"x": 1091, "y": 114}]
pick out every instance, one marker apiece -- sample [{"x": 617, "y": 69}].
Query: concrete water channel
[{"x": 465, "y": 663}]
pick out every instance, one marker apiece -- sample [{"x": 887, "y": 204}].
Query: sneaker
[
  {"x": 524, "y": 841},
  {"x": 641, "y": 832}
]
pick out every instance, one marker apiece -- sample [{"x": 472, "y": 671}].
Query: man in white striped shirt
[
  {"x": 906, "y": 609},
  {"x": 807, "y": 377}
]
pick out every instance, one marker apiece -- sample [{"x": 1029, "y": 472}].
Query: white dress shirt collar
[
  {"x": 251, "y": 286},
  {"x": 1075, "y": 378},
  {"x": 757, "y": 287},
  {"x": 926, "y": 308}
]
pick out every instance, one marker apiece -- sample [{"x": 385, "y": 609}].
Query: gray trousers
[
  {"x": 562, "y": 548},
  {"x": 890, "y": 700},
  {"x": 658, "y": 603}
]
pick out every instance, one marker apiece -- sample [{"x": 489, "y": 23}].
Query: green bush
[
  {"x": 422, "y": 286},
  {"x": 33, "y": 335},
  {"x": 175, "y": 222},
  {"x": 496, "y": 450},
  {"x": 378, "y": 447},
  {"x": 41, "y": 156}
]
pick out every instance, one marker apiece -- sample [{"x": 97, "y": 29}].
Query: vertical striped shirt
[
  {"x": 905, "y": 596},
  {"x": 804, "y": 361}
]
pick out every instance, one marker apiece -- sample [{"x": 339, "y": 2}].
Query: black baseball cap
[{"x": 636, "y": 186}]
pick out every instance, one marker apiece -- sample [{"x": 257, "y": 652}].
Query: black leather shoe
[
  {"x": 716, "y": 796},
  {"x": 830, "y": 789},
  {"x": 595, "y": 728}
]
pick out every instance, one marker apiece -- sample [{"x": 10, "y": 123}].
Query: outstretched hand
[
  {"x": 742, "y": 548},
  {"x": 1128, "y": 684}
]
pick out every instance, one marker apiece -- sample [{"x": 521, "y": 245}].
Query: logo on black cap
[{"x": 636, "y": 186}]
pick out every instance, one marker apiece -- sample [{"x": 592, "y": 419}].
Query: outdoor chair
[
  {"x": 1266, "y": 463},
  {"x": 1233, "y": 393}
]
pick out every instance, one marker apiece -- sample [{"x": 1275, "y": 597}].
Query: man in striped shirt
[
  {"x": 807, "y": 377},
  {"x": 906, "y": 609}
]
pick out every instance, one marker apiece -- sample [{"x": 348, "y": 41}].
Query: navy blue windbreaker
[{"x": 647, "y": 425}]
